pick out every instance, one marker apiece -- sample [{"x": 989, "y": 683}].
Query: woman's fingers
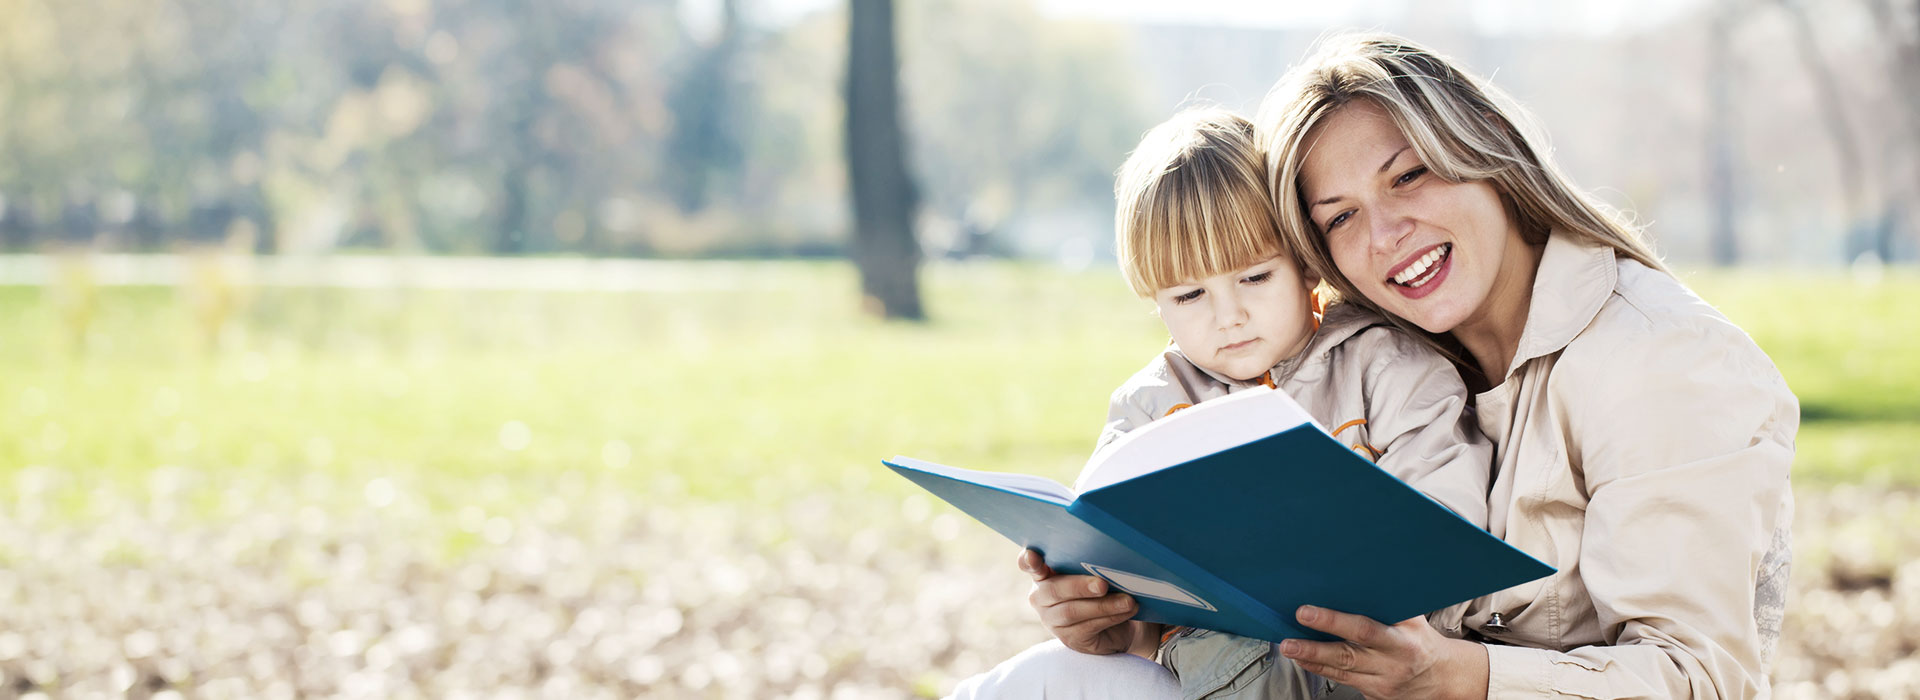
[
  {"x": 1073, "y": 613},
  {"x": 1340, "y": 661},
  {"x": 1340, "y": 657},
  {"x": 1328, "y": 672},
  {"x": 1035, "y": 566},
  {"x": 1100, "y": 620},
  {"x": 1094, "y": 629},
  {"x": 1407, "y": 660},
  {"x": 1081, "y": 611},
  {"x": 1056, "y": 589},
  {"x": 1358, "y": 629}
]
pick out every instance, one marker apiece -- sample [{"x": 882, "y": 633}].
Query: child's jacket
[{"x": 1391, "y": 397}]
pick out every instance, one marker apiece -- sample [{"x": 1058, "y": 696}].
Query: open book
[{"x": 1233, "y": 513}]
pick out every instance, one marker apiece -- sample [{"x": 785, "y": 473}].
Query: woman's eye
[
  {"x": 1337, "y": 220},
  {"x": 1257, "y": 279},
  {"x": 1411, "y": 175},
  {"x": 1189, "y": 296}
]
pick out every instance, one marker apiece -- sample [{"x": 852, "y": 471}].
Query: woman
[{"x": 1643, "y": 441}]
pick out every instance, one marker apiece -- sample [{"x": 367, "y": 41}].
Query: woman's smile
[{"x": 1419, "y": 276}]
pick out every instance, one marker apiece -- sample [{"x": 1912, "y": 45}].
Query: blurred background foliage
[
  {"x": 502, "y": 127},
  {"x": 703, "y": 128}
]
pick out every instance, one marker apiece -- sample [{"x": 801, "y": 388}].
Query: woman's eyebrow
[
  {"x": 1391, "y": 159},
  {"x": 1383, "y": 168}
]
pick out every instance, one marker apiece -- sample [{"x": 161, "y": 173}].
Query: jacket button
[{"x": 1495, "y": 624}]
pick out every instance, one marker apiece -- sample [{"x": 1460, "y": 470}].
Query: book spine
[{"x": 1226, "y": 593}]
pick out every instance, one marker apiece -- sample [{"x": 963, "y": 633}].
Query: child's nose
[{"x": 1230, "y": 310}]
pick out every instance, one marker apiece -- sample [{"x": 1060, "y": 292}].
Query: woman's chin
[{"x": 1431, "y": 314}]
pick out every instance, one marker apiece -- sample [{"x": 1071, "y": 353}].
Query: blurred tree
[
  {"x": 705, "y": 149},
  {"x": 17, "y": 224},
  {"x": 1722, "y": 236},
  {"x": 1016, "y": 112},
  {"x": 884, "y": 198},
  {"x": 1858, "y": 191},
  {"x": 193, "y": 65},
  {"x": 1900, "y": 33},
  {"x": 569, "y": 115}
]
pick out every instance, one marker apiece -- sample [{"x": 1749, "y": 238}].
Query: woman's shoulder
[
  {"x": 1659, "y": 377},
  {"x": 1658, "y": 351},
  {"x": 1651, "y": 315}
]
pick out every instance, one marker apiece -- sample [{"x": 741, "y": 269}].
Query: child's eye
[
  {"x": 1257, "y": 279},
  {"x": 1189, "y": 296},
  {"x": 1410, "y": 175}
]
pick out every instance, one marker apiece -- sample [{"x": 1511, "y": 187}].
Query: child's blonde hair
[{"x": 1193, "y": 202}]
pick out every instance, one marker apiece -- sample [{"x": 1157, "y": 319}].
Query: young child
[{"x": 1196, "y": 234}]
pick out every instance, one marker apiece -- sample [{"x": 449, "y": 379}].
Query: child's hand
[{"x": 1080, "y": 611}]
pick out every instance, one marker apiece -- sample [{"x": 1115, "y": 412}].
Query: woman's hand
[
  {"x": 1407, "y": 660},
  {"x": 1082, "y": 614}
]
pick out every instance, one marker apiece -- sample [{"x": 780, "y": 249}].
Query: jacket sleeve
[
  {"x": 1417, "y": 416},
  {"x": 1146, "y": 396},
  {"x": 1683, "y": 438}
]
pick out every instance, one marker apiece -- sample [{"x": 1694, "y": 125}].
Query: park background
[{"x": 486, "y": 348}]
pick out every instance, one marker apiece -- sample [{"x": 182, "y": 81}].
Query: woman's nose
[{"x": 1387, "y": 226}]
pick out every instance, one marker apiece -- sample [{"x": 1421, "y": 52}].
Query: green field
[
  {"x": 761, "y": 382},
  {"x": 414, "y": 493}
]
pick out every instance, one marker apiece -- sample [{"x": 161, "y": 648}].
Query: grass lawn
[
  {"x": 676, "y": 493},
  {"x": 763, "y": 383}
]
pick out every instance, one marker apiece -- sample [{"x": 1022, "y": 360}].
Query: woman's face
[{"x": 1425, "y": 249}]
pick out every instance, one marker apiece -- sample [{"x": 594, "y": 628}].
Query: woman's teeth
[{"x": 1420, "y": 267}]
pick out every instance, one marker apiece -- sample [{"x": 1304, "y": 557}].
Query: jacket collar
[
  {"x": 1574, "y": 280},
  {"x": 1216, "y": 376}
]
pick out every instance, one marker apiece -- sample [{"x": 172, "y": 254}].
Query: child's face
[{"x": 1243, "y": 322}]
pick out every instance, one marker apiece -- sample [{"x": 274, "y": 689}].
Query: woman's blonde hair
[
  {"x": 1193, "y": 202},
  {"x": 1463, "y": 128}
]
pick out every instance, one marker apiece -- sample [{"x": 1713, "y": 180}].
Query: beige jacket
[
  {"x": 1644, "y": 443},
  {"x": 1389, "y": 396}
]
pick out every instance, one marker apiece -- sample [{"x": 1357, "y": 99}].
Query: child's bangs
[{"x": 1212, "y": 238}]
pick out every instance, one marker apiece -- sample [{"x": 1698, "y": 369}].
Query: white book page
[
  {"x": 1037, "y": 486},
  {"x": 1211, "y": 426}
]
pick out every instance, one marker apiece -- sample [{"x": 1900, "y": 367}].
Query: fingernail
[
  {"x": 1289, "y": 648},
  {"x": 1309, "y": 613},
  {"x": 1094, "y": 587}
]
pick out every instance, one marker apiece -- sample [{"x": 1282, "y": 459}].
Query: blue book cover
[{"x": 1230, "y": 518}]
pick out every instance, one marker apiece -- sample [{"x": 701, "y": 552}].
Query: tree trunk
[
  {"x": 1854, "y": 183},
  {"x": 510, "y": 238},
  {"x": 1723, "y": 237},
  {"x": 1901, "y": 174},
  {"x": 884, "y": 199},
  {"x": 704, "y": 146}
]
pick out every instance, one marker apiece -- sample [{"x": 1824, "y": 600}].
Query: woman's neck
[{"x": 1492, "y": 335}]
